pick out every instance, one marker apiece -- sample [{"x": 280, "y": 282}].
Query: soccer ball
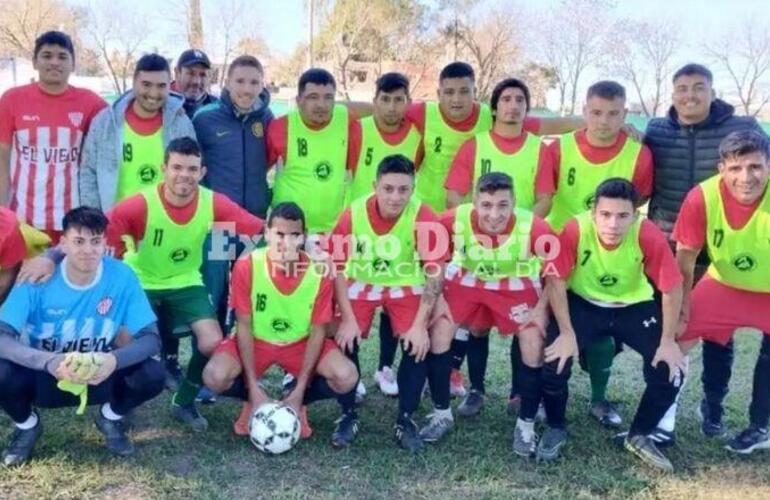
[{"x": 274, "y": 428}]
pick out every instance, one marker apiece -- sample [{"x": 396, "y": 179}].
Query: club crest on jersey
[
  {"x": 323, "y": 170},
  {"x": 76, "y": 118},
  {"x": 608, "y": 280},
  {"x": 520, "y": 314},
  {"x": 147, "y": 174},
  {"x": 745, "y": 262},
  {"x": 281, "y": 325},
  {"x": 179, "y": 255},
  {"x": 104, "y": 306},
  {"x": 588, "y": 203}
]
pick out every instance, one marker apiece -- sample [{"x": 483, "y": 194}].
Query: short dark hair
[
  {"x": 59, "y": 38},
  {"x": 186, "y": 146},
  {"x": 493, "y": 182},
  {"x": 85, "y": 217},
  {"x": 616, "y": 188},
  {"x": 390, "y": 82},
  {"x": 509, "y": 83},
  {"x": 457, "y": 69},
  {"x": 245, "y": 60},
  {"x": 742, "y": 143},
  {"x": 318, "y": 76},
  {"x": 691, "y": 69},
  {"x": 606, "y": 89},
  {"x": 287, "y": 210},
  {"x": 395, "y": 164},
  {"x": 152, "y": 62}
]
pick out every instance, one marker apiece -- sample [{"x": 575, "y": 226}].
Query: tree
[
  {"x": 572, "y": 39},
  {"x": 642, "y": 53},
  {"x": 195, "y": 24},
  {"x": 745, "y": 56},
  {"x": 117, "y": 39},
  {"x": 539, "y": 79}
]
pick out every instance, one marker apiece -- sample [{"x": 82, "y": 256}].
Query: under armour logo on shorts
[{"x": 649, "y": 322}]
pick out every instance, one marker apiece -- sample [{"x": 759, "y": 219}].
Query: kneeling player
[
  {"x": 494, "y": 280},
  {"x": 605, "y": 259},
  {"x": 730, "y": 215},
  {"x": 386, "y": 242},
  {"x": 283, "y": 303},
  {"x": 92, "y": 304}
]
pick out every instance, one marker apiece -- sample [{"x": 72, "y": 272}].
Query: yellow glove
[
  {"x": 80, "y": 390},
  {"x": 36, "y": 241}
]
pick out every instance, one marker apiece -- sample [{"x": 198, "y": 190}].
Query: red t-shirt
[
  {"x": 129, "y": 217},
  {"x": 355, "y": 137},
  {"x": 240, "y": 290},
  {"x": 278, "y": 136},
  {"x": 690, "y": 227},
  {"x": 659, "y": 262},
  {"x": 13, "y": 248},
  {"x": 415, "y": 113},
  {"x": 429, "y": 234},
  {"x": 143, "y": 126},
  {"x": 45, "y": 133},
  {"x": 460, "y": 178},
  {"x": 642, "y": 179}
]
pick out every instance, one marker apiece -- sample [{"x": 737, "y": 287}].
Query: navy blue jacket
[{"x": 235, "y": 152}]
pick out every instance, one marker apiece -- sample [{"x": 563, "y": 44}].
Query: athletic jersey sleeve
[
  {"x": 544, "y": 180},
  {"x": 460, "y": 177},
  {"x": 13, "y": 248},
  {"x": 431, "y": 237},
  {"x": 127, "y": 219},
  {"x": 226, "y": 210},
  {"x": 240, "y": 287},
  {"x": 564, "y": 261},
  {"x": 643, "y": 173},
  {"x": 277, "y": 137},
  {"x": 532, "y": 124},
  {"x": 339, "y": 242},
  {"x": 690, "y": 227},
  {"x": 18, "y": 305},
  {"x": 659, "y": 262},
  {"x": 323, "y": 308},
  {"x": 355, "y": 135},
  {"x": 543, "y": 242},
  {"x": 415, "y": 113}
]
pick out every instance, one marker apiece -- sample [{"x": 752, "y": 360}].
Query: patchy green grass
[{"x": 475, "y": 461}]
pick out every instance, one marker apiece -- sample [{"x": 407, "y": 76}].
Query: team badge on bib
[
  {"x": 104, "y": 306},
  {"x": 281, "y": 325},
  {"x": 608, "y": 280},
  {"x": 179, "y": 255},
  {"x": 745, "y": 262},
  {"x": 323, "y": 170}
]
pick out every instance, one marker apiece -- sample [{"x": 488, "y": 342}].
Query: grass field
[{"x": 474, "y": 462}]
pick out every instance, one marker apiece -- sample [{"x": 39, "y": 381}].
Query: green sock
[
  {"x": 192, "y": 381},
  {"x": 599, "y": 356}
]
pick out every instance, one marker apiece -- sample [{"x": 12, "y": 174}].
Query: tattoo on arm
[{"x": 433, "y": 287}]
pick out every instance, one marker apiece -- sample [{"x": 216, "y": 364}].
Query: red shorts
[
  {"x": 288, "y": 356},
  {"x": 401, "y": 312},
  {"x": 479, "y": 308},
  {"x": 717, "y": 310}
]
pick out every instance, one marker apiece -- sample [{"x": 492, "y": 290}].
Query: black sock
[
  {"x": 515, "y": 364},
  {"x": 411, "y": 380},
  {"x": 459, "y": 348},
  {"x": 353, "y": 356},
  {"x": 319, "y": 389},
  {"x": 478, "y": 353},
  {"x": 388, "y": 342},
  {"x": 759, "y": 410},
  {"x": 170, "y": 346},
  {"x": 530, "y": 387},
  {"x": 717, "y": 369},
  {"x": 439, "y": 370}
]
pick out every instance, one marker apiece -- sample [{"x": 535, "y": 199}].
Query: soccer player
[
  {"x": 582, "y": 160},
  {"x": 392, "y": 257},
  {"x": 161, "y": 231},
  {"x": 192, "y": 79},
  {"x": 608, "y": 261},
  {"x": 385, "y": 133},
  {"x": 729, "y": 215},
  {"x": 493, "y": 280},
  {"x": 92, "y": 304},
  {"x": 312, "y": 142},
  {"x": 123, "y": 151},
  {"x": 522, "y": 155},
  {"x": 283, "y": 302},
  {"x": 42, "y": 125}
]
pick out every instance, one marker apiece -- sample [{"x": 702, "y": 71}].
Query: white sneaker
[
  {"x": 386, "y": 380},
  {"x": 360, "y": 392}
]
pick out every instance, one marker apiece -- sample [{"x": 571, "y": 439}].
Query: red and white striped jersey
[{"x": 45, "y": 133}]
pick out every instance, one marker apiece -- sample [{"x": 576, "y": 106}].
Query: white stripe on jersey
[
  {"x": 21, "y": 137},
  {"x": 41, "y": 177}
]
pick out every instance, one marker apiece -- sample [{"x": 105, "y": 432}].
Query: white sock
[
  {"x": 28, "y": 424},
  {"x": 462, "y": 334},
  {"x": 108, "y": 413},
  {"x": 668, "y": 422},
  {"x": 526, "y": 428},
  {"x": 445, "y": 413}
]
